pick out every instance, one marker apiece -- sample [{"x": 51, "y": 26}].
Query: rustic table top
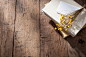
[{"x": 27, "y": 32}]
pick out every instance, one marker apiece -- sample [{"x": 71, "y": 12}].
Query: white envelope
[
  {"x": 77, "y": 25},
  {"x": 65, "y": 8}
]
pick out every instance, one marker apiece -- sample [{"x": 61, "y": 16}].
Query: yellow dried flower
[
  {"x": 60, "y": 26},
  {"x": 63, "y": 21},
  {"x": 57, "y": 24},
  {"x": 60, "y": 14},
  {"x": 60, "y": 29},
  {"x": 68, "y": 21},
  {"x": 66, "y": 29},
  {"x": 60, "y": 21},
  {"x": 68, "y": 16},
  {"x": 68, "y": 26},
  {"x": 71, "y": 16},
  {"x": 62, "y": 17},
  {"x": 63, "y": 25},
  {"x": 71, "y": 20},
  {"x": 55, "y": 28}
]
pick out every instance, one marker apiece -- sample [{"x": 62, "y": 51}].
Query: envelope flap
[{"x": 65, "y": 8}]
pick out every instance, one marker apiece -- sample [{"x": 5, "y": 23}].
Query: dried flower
[{"x": 55, "y": 28}]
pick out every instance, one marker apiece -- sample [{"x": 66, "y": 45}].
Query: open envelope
[
  {"x": 50, "y": 10},
  {"x": 65, "y": 8}
]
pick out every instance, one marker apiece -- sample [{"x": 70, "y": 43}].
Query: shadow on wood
[{"x": 78, "y": 43}]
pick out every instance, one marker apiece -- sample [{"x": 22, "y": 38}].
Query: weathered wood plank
[
  {"x": 7, "y": 16},
  {"x": 27, "y": 37},
  {"x": 27, "y": 32}
]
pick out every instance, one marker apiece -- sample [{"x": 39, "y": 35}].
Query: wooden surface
[
  {"x": 27, "y": 32},
  {"x": 7, "y": 17},
  {"x": 27, "y": 36}
]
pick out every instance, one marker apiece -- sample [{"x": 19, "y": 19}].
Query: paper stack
[{"x": 66, "y": 7}]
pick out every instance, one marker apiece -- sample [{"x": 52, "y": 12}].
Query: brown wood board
[
  {"x": 25, "y": 31},
  {"x": 27, "y": 37},
  {"x": 7, "y": 17}
]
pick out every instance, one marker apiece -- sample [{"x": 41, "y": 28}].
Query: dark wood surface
[{"x": 27, "y": 32}]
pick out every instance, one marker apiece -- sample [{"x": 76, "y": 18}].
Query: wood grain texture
[
  {"x": 25, "y": 31},
  {"x": 7, "y": 16},
  {"x": 27, "y": 37}
]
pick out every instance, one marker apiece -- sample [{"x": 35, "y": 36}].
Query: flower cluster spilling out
[{"x": 65, "y": 22}]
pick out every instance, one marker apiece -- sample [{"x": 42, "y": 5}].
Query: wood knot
[{"x": 81, "y": 41}]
